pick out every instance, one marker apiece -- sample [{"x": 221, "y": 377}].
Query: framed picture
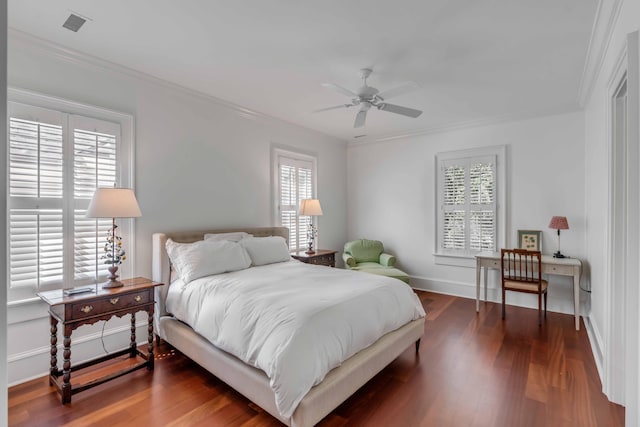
[{"x": 530, "y": 240}]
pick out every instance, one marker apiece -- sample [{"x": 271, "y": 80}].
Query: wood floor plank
[{"x": 473, "y": 369}]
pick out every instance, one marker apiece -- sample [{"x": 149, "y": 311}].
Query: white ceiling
[{"x": 474, "y": 60}]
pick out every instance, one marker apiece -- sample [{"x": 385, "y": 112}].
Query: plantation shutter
[
  {"x": 35, "y": 196},
  {"x": 56, "y": 161},
  {"x": 295, "y": 184},
  {"x": 94, "y": 165},
  {"x": 467, "y": 197},
  {"x": 482, "y": 209},
  {"x": 454, "y": 207}
]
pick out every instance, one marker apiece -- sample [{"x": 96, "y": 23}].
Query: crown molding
[
  {"x": 603, "y": 24},
  {"x": 450, "y": 127},
  {"x": 75, "y": 57}
]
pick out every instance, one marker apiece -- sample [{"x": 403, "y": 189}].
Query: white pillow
[
  {"x": 266, "y": 250},
  {"x": 235, "y": 236},
  {"x": 206, "y": 257},
  {"x": 172, "y": 250}
]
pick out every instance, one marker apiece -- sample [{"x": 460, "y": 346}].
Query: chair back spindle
[{"x": 522, "y": 272}]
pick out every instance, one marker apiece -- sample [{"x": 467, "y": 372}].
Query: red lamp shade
[{"x": 559, "y": 223}]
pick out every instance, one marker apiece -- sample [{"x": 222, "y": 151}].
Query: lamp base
[
  {"x": 558, "y": 255},
  {"x": 113, "y": 279},
  {"x": 112, "y": 284},
  {"x": 310, "y": 251}
]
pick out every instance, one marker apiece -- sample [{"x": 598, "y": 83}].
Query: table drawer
[
  {"x": 491, "y": 263},
  {"x": 108, "y": 304},
  {"x": 563, "y": 270},
  {"x": 323, "y": 260}
]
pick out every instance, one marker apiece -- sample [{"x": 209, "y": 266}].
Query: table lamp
[
  {"x": 310, "y": 207},
  {"x": 559, "y": 223},
  {"x": 113, "y": 203}
]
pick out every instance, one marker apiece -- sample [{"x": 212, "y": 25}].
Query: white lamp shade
[
  {"x": 113, "y": 203},
  {"x": 310, "y": 207}
]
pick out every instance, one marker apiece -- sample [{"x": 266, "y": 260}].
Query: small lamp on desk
[
  {"x": 310, "y": 207},
  {"x": 113, "y": 203},
  {"x": 559, "y": 223}
]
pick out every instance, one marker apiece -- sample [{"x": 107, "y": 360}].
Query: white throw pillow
[
  {"x": 266, "y": 250},
  {"x": 206, "y": 257},
  {"x": 235, "y": 236}
]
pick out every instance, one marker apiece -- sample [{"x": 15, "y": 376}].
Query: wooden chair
[{"x": 522, "y": 272}]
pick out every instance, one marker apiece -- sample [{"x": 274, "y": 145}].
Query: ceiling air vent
[{"x": 74, "y": 22}]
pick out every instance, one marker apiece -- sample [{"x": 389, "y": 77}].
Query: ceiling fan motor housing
[{"x": 367, "y": 92}]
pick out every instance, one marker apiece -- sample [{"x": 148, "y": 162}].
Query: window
[
  {"x": 56, "y": 161},
  {"x": 295, "y": 177},
  {"x": 468, "y": 209}
]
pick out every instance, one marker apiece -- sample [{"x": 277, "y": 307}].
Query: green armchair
[{"x": 369, "y": 256}]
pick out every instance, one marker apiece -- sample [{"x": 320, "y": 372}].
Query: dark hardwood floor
[{"x": 472, "y": 370}]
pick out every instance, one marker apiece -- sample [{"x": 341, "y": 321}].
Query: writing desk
[{"x": 559, "y": 266}]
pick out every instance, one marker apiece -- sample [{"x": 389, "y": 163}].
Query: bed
[{"x": 253, "y": 383}]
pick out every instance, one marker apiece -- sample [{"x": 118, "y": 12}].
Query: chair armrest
[
  {"x": 387, "y": 260},
  {"x": 349, "y": 261}
]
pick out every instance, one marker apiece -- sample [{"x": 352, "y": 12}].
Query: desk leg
[
  {"x": 66, "y": 366},
  {"x": 478, "y": 286},
  {"x": 576, "y": 299},
  {"x": 132, "y": 342},
  {"x": 150, "y": 339},
  {"x": 53, "y": 370},
  {"x": 486, "y": 280}
]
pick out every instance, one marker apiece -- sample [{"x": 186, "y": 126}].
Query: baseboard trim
[
  {"x": 468, "y": 290},
  {"x": 448, "y": 287},
  {"x": 595, "y": 339}
]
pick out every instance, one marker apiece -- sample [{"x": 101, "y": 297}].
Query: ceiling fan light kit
[{"x": 368, "y": 96}]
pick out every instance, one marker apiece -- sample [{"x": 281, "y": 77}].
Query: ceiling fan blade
[
  {"x": 340, "y": 89},
  {"x": 361, "y": 117},
  {"x": 405, "y": 111},
  {"x": 398, "y": 90},
  {"x": 333, "y": 108}
]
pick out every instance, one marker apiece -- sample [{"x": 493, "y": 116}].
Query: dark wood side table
[
  {"x": 76, "y": 310},
  {"x": 321, "y": 257}
]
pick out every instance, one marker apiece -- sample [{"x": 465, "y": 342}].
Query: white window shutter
[
  {"x": 56, "y": 161},
  {"x": 35, "y": 197},
  {"x": 288, "y": 214},
  {"x": 94, "y": 165},
  {"x": 35, "y": 247},
  {"x": 482, "y": 215},
  {"x": 295, "y": 183},
  {"x": 468, "y": 208}
]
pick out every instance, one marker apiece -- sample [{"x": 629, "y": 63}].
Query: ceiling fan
[{"x": 368, "y": 96}]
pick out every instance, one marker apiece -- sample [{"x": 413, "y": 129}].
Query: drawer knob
[
  {"x": 86, "y": 309},
  {"x": 137, "y": 298},
  {"x": 114, "y": 301}
]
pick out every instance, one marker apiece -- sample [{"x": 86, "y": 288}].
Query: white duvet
[{"x": 292, "y": 320}]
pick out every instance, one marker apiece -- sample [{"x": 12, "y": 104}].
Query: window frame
[
  {"x": 277, "y": 153},
  {"x": 466, "y": 257},
  {"x": 70, "y": 111}
]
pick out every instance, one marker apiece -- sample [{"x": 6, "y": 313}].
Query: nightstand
[
  {"x": 321, "y": 257},
  {"x": 88, "y": 308}
]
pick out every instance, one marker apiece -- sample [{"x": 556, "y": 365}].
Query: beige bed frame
[{"x": 337, "y": 386}]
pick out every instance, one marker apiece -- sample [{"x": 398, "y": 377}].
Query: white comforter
[{"x": 294, "y": 321}]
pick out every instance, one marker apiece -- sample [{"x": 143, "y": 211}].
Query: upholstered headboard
[{"x": 161, "y": 267}]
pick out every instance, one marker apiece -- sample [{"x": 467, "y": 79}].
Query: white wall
[
  {"x": 392, "y": 197},
  {"x": 597, "y": 143},
  {"x": 199, "y": 164}
]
